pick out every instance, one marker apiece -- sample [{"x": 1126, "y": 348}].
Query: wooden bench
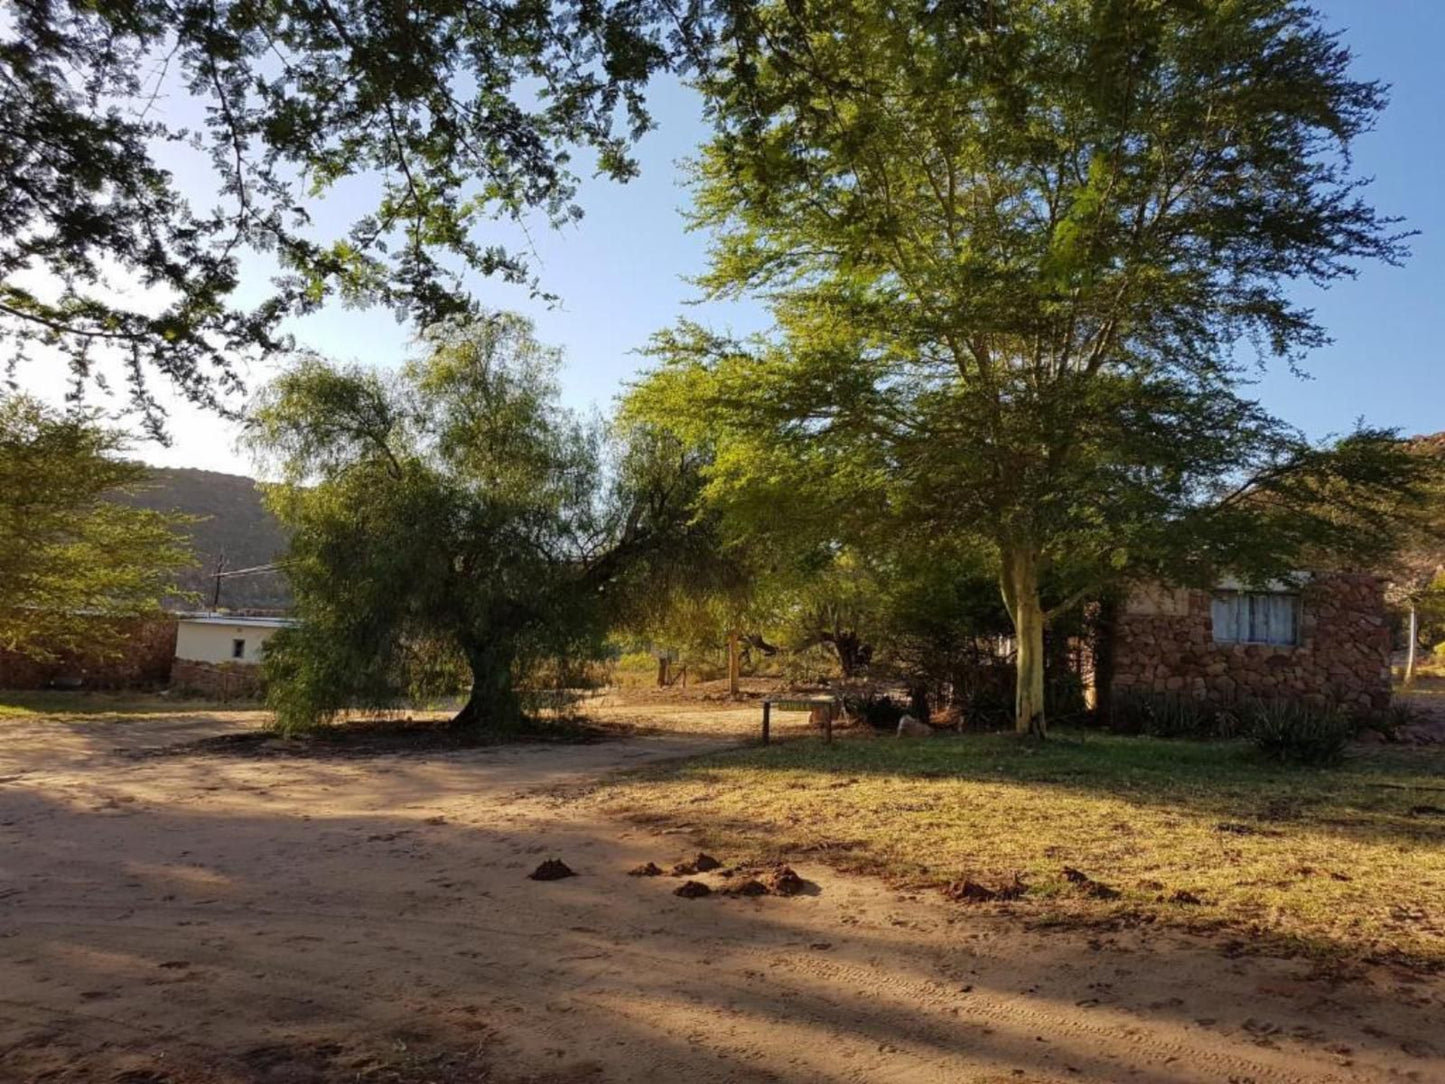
[{"x": 820, "y": 709}]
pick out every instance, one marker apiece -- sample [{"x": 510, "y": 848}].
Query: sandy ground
[{"x": 198, "y": 918}]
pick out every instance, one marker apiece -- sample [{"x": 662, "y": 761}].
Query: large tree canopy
[
  {"x": 70, "y": 555},
  {"x": 458, "y": 111},
  {"x": 451, "y": 519},
  {"x": 1012, "y": 251}
]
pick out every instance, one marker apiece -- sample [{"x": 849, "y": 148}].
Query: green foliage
[
  {"x": 1011, "y": 251},
  {"x": 1286, "y": 731},
  {"x": 1171, "y": 715},
  {"x": 451, "y": 519},
  {"x": 1294, "y": 733},
  {"x": 878, "y": 710},
  {"x": 430, "y": 118},
  {"x": 69, "y": 551}
]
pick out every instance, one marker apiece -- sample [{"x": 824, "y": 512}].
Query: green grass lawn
[{"x": 1337, "y": 862}]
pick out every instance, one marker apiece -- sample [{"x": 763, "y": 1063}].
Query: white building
[{"x": 223, "y": 638}]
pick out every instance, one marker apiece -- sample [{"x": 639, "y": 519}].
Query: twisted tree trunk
[{"x": 493, "y": 702}]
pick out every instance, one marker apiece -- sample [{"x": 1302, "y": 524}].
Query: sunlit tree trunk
[
  {"x": 1410, "y": 647},
  {"x": 1020, "y": 585}
]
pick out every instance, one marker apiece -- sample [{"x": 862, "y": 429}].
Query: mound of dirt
[
  {"x": 967, "y": 891},
  {"x": 970, "y": 891},
  {"x": 703, "y": 863},
  {"x": 1090, "y": 887},
  {"x": 647, "y": 869},
  {"x": 782, "y": 881},
  {"x": 554, "y": 869},
  {"x": 692, "y": 890},
  {"x": 749, "y": 886}
]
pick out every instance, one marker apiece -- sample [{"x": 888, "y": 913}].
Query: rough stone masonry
[{"x": 1164, "y": 643}]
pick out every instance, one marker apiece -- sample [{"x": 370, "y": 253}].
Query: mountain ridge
[{"x": 231, "y": 522}]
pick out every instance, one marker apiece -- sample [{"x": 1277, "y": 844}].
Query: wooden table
[{"x": 820, "y": 709}]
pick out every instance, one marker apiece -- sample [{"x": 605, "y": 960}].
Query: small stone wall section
[
  {"x": 219, "y": 681},
  {"x": 1343, "y": 658}
]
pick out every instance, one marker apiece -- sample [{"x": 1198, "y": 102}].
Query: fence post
[{"x": 767, "y": 718}]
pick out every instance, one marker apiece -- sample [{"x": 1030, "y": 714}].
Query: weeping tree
[
  {"x": 450, "y": 518},
  {"x": 1014, "y": 253}
]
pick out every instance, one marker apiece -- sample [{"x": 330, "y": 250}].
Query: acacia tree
[
  {"x": 1011, "y": 250},
  {"x": 452, "y": 517},
  {"x": 1416, "y": 572},
  {"x": 437, "y": 115},
  {"x": 71, "y": 555}
]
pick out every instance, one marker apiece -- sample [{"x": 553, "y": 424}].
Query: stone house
[{"x": 1320, "y": 638}]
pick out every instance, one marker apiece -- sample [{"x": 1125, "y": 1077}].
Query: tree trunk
[
  {"x": 853, "y": 654},
  {"x": 493, "y": 702},
  {"x": 734, "y": 665},
  {"x": 1020, "y": 584},
  {"x": 1410, "y": 647},
  {"x": 1103, "y": 682}
]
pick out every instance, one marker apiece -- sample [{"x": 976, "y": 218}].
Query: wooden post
[
  {"x": 828, "y": 724},
  {"x": 767, "y": 718},
  {"x": 734, "y": 664}
]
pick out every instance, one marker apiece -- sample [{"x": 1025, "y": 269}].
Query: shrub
[
  {"x": 1391, "y": 720},
  {"x": 878, "y": 710},
  {"x": 1294, "y": 733},
  {"x": 1169, "y": 715}
]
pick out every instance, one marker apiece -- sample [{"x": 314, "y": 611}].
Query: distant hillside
[{"x": 233, "y": 523}]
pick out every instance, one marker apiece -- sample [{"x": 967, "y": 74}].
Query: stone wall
[
  {"x": 218, "y": 680},
  {"x": 1163, "y": 643}
]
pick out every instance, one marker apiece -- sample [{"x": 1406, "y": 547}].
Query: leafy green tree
[
  {"x": 452, "y": 112},
  {"x": 1011, "y": 251},
  {"x": 70, "y": 556},
  {"x": 1415, "y": 574},
  {"x": 450, "y": 519}
]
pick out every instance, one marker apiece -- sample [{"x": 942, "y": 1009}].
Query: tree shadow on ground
[
  {"x": 290, "y": 936},
  {"x": 1343, "y": 865}
]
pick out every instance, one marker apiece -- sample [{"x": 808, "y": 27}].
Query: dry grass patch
[{"x": 1348, "y": 861}]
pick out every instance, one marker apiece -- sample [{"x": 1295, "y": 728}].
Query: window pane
[
  {"x": 1282, "y": 625},
  {"x": 1225, "y": 613},
  {"x": 1255, "y": 618}
]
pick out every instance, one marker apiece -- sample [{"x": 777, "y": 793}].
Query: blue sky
[{"x": 621, "y": 272}]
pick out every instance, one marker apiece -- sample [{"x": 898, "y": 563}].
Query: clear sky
[{"x": 620, "y": 273}]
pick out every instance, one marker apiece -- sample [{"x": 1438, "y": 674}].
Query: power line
[{"x": 275, "y": 566}]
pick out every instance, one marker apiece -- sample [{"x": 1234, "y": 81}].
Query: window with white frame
[{"x": 1244, "y": 617}]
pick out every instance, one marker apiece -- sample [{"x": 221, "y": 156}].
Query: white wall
[{"x": 213, "y": 643}]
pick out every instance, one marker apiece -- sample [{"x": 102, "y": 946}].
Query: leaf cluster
[{"x": 70, "y": 553}]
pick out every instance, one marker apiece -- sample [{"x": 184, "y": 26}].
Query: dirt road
[{"x": 203, "y": 918}]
